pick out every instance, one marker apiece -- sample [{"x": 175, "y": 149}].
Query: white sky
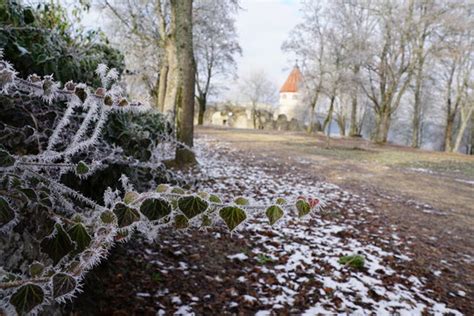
[{"x": 263, "y": 25}]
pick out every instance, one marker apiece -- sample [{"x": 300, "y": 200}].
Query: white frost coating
[{"x": 238, "y": 256}]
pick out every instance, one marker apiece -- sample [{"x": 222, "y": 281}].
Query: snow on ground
[{"x": 304, "y": 253}]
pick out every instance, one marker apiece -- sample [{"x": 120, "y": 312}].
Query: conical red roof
[{"x": 294, "y": 80}]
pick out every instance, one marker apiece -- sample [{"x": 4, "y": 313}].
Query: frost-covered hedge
[{"x": 80, "y": 169}]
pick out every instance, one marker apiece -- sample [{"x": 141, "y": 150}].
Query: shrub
[{"x": 69, "y": 192}]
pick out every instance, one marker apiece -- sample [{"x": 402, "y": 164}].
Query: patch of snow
[{"x": 238, "y": 256}]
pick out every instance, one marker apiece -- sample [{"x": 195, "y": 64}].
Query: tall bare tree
[
  {"x": 215, "y": 47},
  {"x": 257, "y": 88}
]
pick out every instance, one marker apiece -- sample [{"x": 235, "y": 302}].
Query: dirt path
[{"x": 409, "y": 213}]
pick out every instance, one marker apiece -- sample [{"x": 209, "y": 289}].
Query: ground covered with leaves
[{"x": 304, "y": 266}]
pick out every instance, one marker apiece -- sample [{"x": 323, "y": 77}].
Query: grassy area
[{"x": 432, "y": 162}]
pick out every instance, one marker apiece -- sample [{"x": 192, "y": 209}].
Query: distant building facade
[{"x": 291, "y": 103}]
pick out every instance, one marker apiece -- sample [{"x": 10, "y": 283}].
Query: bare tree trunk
[
  {"x": 162, "y": 85},
  {"x": 181, "y": 10},
  {"x": 383, "y": 121},
  {"x": 172, "y": 78},
  {"x": 462, "y": 129},
  {"x": 415, "y": 141},
  {"x": 202, "y": 100},
  {"x": 328, "y": 120},
  {"x": 353, "y": 131},
  {"x": 448, "y": 132}
]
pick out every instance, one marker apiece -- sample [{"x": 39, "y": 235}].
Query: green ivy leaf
[
  {"x": 6, "y": 212},
  {"x": 181, "y": 221},
  {"x": 82, "y": 168},
  {"x": 58, "y": 245},
  {"x": 178, "y": 190},
  {"x": 36, "y": 268},
  {"x": 280, "y": 201},
  {"x": 274, "y": 213},
  {"x": 206, "y": 221},
  {"x": 29, "y": 193},
  {"x": 26, "y": 298},
  {"x": 203, "y": 195},
  {"x": 215, "y": 199},
  {"x": 107, "y": 217},
  {"x": 241, "y": 201},
  {"x": 125, "y": 215},
  {"x": 130, "y": 197},
  {"x": 155, "y": 209},
  {"x": 63, "y": 284},
  {"x": 79, "y": 234},
  {"x": 192, "y": 205},
  {"x": 232, "y": 216},
  {"x": 303, "y": 208},
  {"x": 162, "y": 188},
  {"x": 6, "y": 160}
]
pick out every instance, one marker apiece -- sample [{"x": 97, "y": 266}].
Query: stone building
[{"x": 291, "y": 103}]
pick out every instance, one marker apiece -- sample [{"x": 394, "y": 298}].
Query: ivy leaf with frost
[
  {"x": 58, "y": 245},
  {"x": 125, "y": 215},
  {"x": 63, "y": 284},
  {"x": 162, "y": 188},
  {"x": 107, "y": 217},
  {"x": 215, "y": 199},
  {"x": 181, "y": 221},
  {"x": 178, "y": 190},
  {"x": 192, "y": 206},
  {"x": 303, "y": 208},
  {"x": 36, "y": 268},
  {"x": 6, "y": 212},
  {"x": 6, "y": 160},
  {"x": 206, "y": 221},
  {"x": 241, "y": 201},
  {"x": 26, "y": 298},
  {"x": 80, "y": 236},
  {"x": 232, "y": 216},
  {"x": 30, "y": 194},
  {"x": 155, "y": 209},
  {"x": 82, "y": 168},
  {"x": 274, "y": 213},
  {"x": 130, "y": 197},
  {"x": 280, "y": 201}
]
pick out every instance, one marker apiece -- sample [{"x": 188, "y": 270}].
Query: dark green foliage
[
  {"x": 57, "y": 246},
  {"x": 63, "y": 284},
  {"x": 192, "y": 206},
  {"x": 6, "y": 160},
  {"x": 303, "y": 208},
  {"x": 6, "y": 212},
  {"x": 36, "y": 269},
  {"x": 274, "y": 213},
  {"x": 355, "y": 261},
  {"x": 42, "y": 40},
  {"x": 26, "y": 298},
  {"x": 136, "y": 133},
  {"x": 125, "y": 215},
  {"x": 241, "y": 201},
  {"x": 232, "y": 216},
  {"x": 82, "y": 168},
  {"x": 181, "y": 221},
  {"x": 80, "y": 236},
  {"x": 155, "y": 209}
]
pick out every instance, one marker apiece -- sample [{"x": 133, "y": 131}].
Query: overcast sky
[{"x": 263, "y": 25}]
